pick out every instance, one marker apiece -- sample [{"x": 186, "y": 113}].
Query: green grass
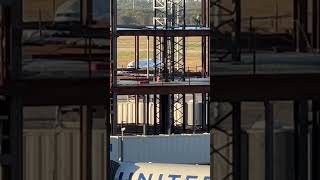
[{"x": 126, "y": 50}]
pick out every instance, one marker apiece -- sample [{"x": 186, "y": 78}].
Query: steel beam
[
  {"x": 164, "y": 113},
  {"x": 236, "y": 139},
  {"x": 203, "y": 110},
  {"x": 264, "y": 87},
  {"x": 155, "y": 113},
  {"x": 269, "y": 128},
  {"x": 204, "y": 56},
  {"x": 253, "y": 88},
  {"x": 171, "y": 114},
  {"x": 13, "y": 16},
  {"x": 146, "y": 113},
  {"x": 193, "y": 113},
  {"x": 108, "y": 129},
  {"x": 208, "y": 114},
  {"x": 316, "y": 25},
  {"x": 184, "y": 118},
  {"x": 137, "y": 100},
  {"x": 301, "y": 139},
  {"x": 86, "y": 14},
  {"x": 136, "y": 51},
  {"x": 315, "y": 148},
  {"x": 86, "y": 142},
  {"x": 236, "y": 55},
  {"x": 301, "y": 25},
  {"x": 204, "y": 5}
]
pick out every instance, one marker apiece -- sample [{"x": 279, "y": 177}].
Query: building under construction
[{"x": 262, "y": 65}]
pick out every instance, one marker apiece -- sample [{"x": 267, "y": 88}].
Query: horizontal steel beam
[
  {"x": 36, "y": 92},
  {"x": 78, "y": 30},
  {"x": 62, "y": 91},
  {"x": 264, "y": 87},
  {"x": 162, "y": 32},
  {"x": 160, "y": 89}
]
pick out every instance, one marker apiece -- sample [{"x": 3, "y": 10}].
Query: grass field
[{"x": 126, "y": 51}]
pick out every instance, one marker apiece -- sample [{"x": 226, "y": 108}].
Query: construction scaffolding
[{"x": 169, "y": 32}]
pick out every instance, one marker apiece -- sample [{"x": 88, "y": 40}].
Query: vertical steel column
[
  {"x": 155, "y": 58},
  {"x": 16, "y": 139},
  {"x": 114, "y": 65},
  {"x": 86, "y": 142},
  {"x": 165, "y": 72},
  {"x": 137, "y": 98},
  {"x": 203, "y": 56},
  {"x": 237, "y": 32},
  {"x": 301, "y": 25},
  {"x": 208, "y": 114},
  {"x": 107, "y": 120},
  {"x": 114, "y": 113},
  {"x": 193, "y": 113},
  {"x": 204, "y": 62},
  {"x": 204, "y": 111},
  {"x": 171, "y": 58},
  {"x": 295, "y": 23},
  {"x": 5, "y": 135},
  {"x": 16, "y": 116},
  {"x": 86, "y": 15},
  {"x": 301, "y": 139},
  {"x": 171, "y": 117},
  {"x": 145, "y": 109},
  {"x": 203, "y": 12},
  {"x": 316, "y": 25},
  {"x": 164, "y": 113},
  {"x": 269, "y": 141},
  {"x": 5, "y": 108},
  {"x": 109, "y": 9},
  {"x": 184, "y": 118},
  {"x": 155, "y": 109},
  {"x": 137, "y": 51},
  {"x": 315, "y": 151},
  {"x": 148, "y": 57},
  {"x": 148, "y": 110},
  {"x": 236, "y": 138}
]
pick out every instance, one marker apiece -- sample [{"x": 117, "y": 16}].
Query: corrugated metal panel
[
  {"x": 283, "y": 156},
  {"x": 55, "y": 155},
  {"x": 165, "y": 148},
  {"x": 255, "y": 141},
  {"x": 197, "y": 113},
  {"x": 127, "y": 113},
  {"x": 98, "y": 155}
]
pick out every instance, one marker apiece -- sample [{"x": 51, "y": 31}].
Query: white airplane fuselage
[{"x": 161, "y": 171}]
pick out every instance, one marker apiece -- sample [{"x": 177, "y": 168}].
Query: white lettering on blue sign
[{"x": 160, "y": 177}]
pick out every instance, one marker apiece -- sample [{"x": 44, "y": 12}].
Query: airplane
[
  {"x": 143, "y": 64},
  {"x": 158, "y": 171}
]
